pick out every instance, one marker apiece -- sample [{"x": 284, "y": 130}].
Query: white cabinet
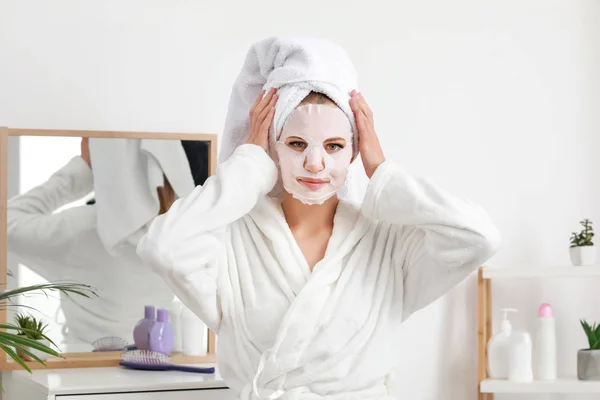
[{"x": 113, "y": 384}]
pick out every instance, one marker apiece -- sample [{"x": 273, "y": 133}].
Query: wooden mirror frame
[{"x": 90, "y": 359}]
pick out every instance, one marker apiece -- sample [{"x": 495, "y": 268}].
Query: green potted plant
[
  {"x": 13, "y": 343},
  {"x": 588, "y": 360},
  {"x": 582, "y": 250},
  {"x": 35, "y": 330}
]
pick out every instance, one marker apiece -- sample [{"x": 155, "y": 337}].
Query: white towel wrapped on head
[
  {"x": 295, "y": 66},
  {"x": 127, "y": 173}
]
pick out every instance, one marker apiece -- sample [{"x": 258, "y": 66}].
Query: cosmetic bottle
[
  {"x": 498, "y": 346},
  {"x": 194, "y": 334},
  {"x": 519, "y": 357},
  {"x": 175, "y": 317},
  {"x": 545, "y": 345},
  {"x": 162, "y": 337},
  {"x": 141, "y": 331}
]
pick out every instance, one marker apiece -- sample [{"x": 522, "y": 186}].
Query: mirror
[{"x": 76, "y": 209}]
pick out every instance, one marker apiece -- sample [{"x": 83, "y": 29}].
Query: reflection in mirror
[{"x": 76, "y": 209}]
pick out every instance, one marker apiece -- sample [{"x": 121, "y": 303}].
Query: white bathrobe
[
  {"x": 229, "y": 255},
  {"x": 65, "y": 246}
]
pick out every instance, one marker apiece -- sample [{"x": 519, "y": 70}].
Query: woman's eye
[
  {"x": 334, "y": 146},
  {"x": 297, "y": 145}
]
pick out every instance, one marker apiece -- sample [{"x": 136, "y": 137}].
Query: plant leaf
[
  {"x": 10, "y": 343},
  {"x": 588, "y": 332},
  {"x": 33, "y": 333},
  {"x": 12, "y": 354},
  {"x": 27, "y": 342},
  {"x": 4, "y": 306},
  {"x": 597, "y": 331},
  {"x": 29, "y": 353},
  {"x": 65, "y": 288},
  {"x": 591, "y": 334}
]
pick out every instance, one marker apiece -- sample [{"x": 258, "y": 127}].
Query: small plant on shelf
[
  {"x": 30, "y": 327},
  {"x": 588, "y": 360},
  {"x": 585, "y": 237},
  {"x": 582, "y": 250},
  {"x": 593, "y": 334},
  {"x": 21, "y": 342}
]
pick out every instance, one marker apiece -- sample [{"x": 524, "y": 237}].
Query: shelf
[
  {"x": 541, "y": 272},
  {"x": 562, "y": 385},
  {"x": 99, "y": 360}
]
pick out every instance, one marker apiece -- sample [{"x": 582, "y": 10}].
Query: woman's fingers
[
  {"x": 355, "y": 102},
  {"x": 261, "y": 107},
  {"x": 263, "y": 114},
  {"x": 361, "y": 124},
  {"x": 264, "y": 127},
  {"x": 258, "y": 99},
  {"x": 359, "y": 115},
  {"x": 359, "y": 104},
  {"x": 368, "y": 143},
  {"x": 364, "y": 106},
  {"x": 355, "y": 106},
  {"x": 264, "y": 101}
]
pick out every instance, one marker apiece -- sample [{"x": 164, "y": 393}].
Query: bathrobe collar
[{"x": 300, "y": 323}]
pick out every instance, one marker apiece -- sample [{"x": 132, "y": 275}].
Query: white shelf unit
[
  {"x": 562, "y": 385},
  {"x": 541, "y": 272},
  {"x": 488, "y": 387}
]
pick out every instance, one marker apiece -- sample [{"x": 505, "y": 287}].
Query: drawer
[{"x": 208, "y": 394}]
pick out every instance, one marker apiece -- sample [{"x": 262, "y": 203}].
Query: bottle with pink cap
[{"x": 545, "y": 345}]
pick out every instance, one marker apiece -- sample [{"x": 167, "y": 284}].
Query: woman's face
[{"x": 315, "y": 152}]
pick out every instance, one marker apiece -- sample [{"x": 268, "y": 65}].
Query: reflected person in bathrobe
[
  {"x": 307, "y": 293},
  {"x": 67, "y": 244}
]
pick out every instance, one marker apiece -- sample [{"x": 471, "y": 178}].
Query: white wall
[{"x": 494, "y": 100}]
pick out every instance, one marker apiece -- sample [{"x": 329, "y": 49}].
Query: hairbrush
[
  {"x": 109, "y": 343},
  {"x": 157, "y": 361}
]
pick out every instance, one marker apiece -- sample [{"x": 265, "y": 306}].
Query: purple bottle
[
  {"x": 141, "y": 332},
  {"x": 162, "y": 336}
]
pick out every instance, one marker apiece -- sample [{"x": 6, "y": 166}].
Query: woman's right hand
[{"x": 261, "y": 117}]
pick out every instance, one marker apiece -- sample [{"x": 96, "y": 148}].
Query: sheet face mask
[{"x": 315, "y": 125}]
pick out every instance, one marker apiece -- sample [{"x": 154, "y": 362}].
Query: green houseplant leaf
[
  {"x": 585, "y": 237},
  {"x": 30, "y": 330},
  {"x": 31, "y": 327},
  {"x": 592, "y": 333}
]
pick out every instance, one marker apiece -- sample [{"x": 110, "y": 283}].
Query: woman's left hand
[{"x": 369, "y": 147}]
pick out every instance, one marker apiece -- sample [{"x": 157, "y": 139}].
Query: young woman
[{"x": 307, "y": 293}]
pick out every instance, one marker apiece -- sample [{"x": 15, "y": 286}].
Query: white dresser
[{"x": 113, "y": 384}]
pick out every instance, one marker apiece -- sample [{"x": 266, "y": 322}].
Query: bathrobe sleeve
[
  {"x": 35, "y": 231},
  {"x": 185, "y": 245},
  {"x": 440, "y": 239}
]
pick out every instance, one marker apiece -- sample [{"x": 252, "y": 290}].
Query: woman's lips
[{"x": 311, "y": 183}]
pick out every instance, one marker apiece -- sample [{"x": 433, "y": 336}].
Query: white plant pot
[
  {"x": 38, "y": 353},
  {"x": 583, "y": 255}
]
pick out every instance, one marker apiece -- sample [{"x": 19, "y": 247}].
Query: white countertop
[{"x": 115, "y": 379}]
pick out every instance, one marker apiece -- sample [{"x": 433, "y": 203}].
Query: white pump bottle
[{"x": 498, "y": 348}]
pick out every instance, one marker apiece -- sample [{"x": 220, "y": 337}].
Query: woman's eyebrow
[{"x": 335, "y": 139}]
